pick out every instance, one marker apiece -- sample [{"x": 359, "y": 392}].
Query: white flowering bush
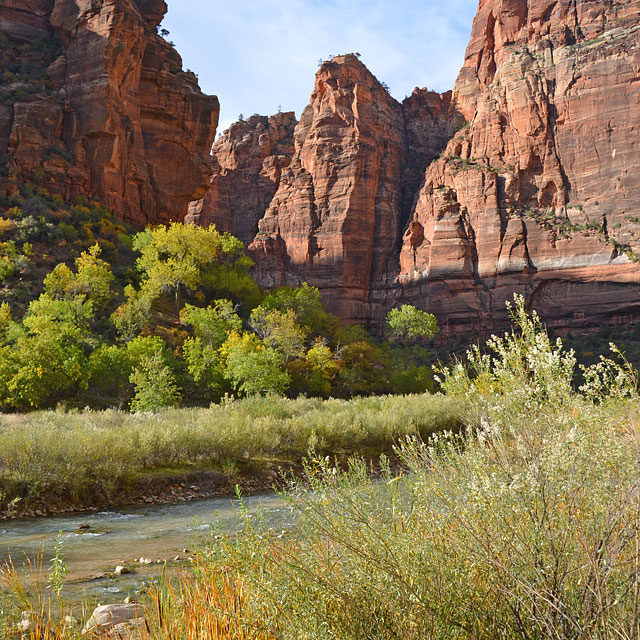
[
  {"x": 526, "y": 526},
  {"x": 526, "y": 371}
]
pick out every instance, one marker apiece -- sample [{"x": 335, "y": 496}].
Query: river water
[{"x": 158, "y": 532}]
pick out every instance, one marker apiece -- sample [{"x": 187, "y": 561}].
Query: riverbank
[
  {"x": 158, "y": 489},
  {"x": 55, "y": 462}
]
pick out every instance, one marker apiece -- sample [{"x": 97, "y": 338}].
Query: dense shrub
[
  {"x": 95, "y": 454},
  {"x": 525, "y": 526}
]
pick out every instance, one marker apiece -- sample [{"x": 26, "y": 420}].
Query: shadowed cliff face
[
  {"x": 115, "y": 116},
  {"x": 525, "y": 179}
]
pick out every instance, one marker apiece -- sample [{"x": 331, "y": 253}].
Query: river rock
[
  {"x": 120, "y": 570},
  {"x": 109, "y": 617},
  {"x": 123, "y": 630}
]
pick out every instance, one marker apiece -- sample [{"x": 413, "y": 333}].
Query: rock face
[
  {"x": 335, "y": 219},
  {"x": 100, "y": 104},
  {"x": 525, "y": 178},
  {"x": 247, "y": 163},
  {"x": 539, "y": 192}
]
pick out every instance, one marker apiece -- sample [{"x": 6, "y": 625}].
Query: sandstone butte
[
  {"x": 112, "y": 115},
  {"x": 526, "y": 177}
]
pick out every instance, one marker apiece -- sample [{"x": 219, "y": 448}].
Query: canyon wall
[
  {"x": 94, "y": 102},
  {"x": 523, "y": 178},
  {"x": 539, "y": 192},
  {"x": 248, "y": 160},
  {"x": 526, "y": 178}
]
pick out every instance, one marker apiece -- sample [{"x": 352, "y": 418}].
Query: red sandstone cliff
[
  {"x": 335, "y": 218},
  {"x": 537, "y": 190},
  {"x": 540, "y": 192},
  {"x": 247, "y": 163},
  {"x": 112, "y": 114}
]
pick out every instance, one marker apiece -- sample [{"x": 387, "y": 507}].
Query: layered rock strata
[
  {"x": 100, "y": 104},
  {"x": 247, "y": 163},
  {"x": 540, "y": 191},
  {"x": 335, "y": 219},
  {"x": 524, "y": 179}
]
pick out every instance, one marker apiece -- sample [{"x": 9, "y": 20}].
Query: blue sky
[{"x": 258, "y": 55}]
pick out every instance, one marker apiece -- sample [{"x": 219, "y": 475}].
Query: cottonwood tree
[
  {"x": 252, "y": 367},
  {"x": 408, "y": 324}
]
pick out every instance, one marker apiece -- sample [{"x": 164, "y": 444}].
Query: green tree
[
  {"x": 93, "y": 279},
  {"x": 409, "y": 324},
  {"x": 111, "y": 367},
  {"x": 12, "y": 259},
  {"x": 181, "y": 258},
  {"x": 363, "y": 369},
  {"x": 133, "y": 315},
  {"x": 211, "y": 328},
  {"x": 279, "y": 330},
  {"x": 214, "y": 323},
  {"x": 155, "y": 385},
  {"x": 5, "y": 320},
  {"x": 306, "y": 302},
  {"x": 324, "y": 368},
  {"x": 252, "y": 367},
  {"x": 45, "y": 359}
]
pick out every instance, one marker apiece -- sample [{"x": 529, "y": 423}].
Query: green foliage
[
  {"x": 526, "y": 368},
  {"x": 155, "y": 385},
  {"x": 111, "y": 367},
  {"x": 44, "y": 358},
  {"x": 212, "y": 324},
  {"x": 93, "y": 279},
  {"x": 280, "y": 330},
  {"x": 211, "y": 327},
  {"x": 13, "y": 259},
  {"x": 409, "y": 324},
  {"x": 252, "y": 367},
  {"x": 525, "y": 526},
  {"x": 182, "y": 258},
  {"x": 363, "y": 369},
  {"x": 324, "y": 368},
  {"x": 412, "y": 378},
  {"x": 58, "y": 573},
  {"x": 131, "y": 317},
  {"x": 306, "y": 302}
]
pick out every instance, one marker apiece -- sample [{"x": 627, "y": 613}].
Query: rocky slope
[
  {"x": 536, "y": 189},
  {"x": 94, "y": 102}
]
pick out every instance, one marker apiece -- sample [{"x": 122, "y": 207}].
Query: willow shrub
[
  {"x": 93, "y": 455},
  {"x": 526, "y": 526}
]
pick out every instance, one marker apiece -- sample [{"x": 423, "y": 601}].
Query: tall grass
[
  {"x": 526, "y": 527},
  {"x": 95, "y": 455}
]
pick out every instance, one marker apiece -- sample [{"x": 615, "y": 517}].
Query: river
[{"x": 157, "y": 532}]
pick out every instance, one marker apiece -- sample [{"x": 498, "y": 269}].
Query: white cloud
[{"x": 256, "y": 55}]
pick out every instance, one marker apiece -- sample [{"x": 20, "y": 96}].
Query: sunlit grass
[{"x": 92, "y": 456}]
